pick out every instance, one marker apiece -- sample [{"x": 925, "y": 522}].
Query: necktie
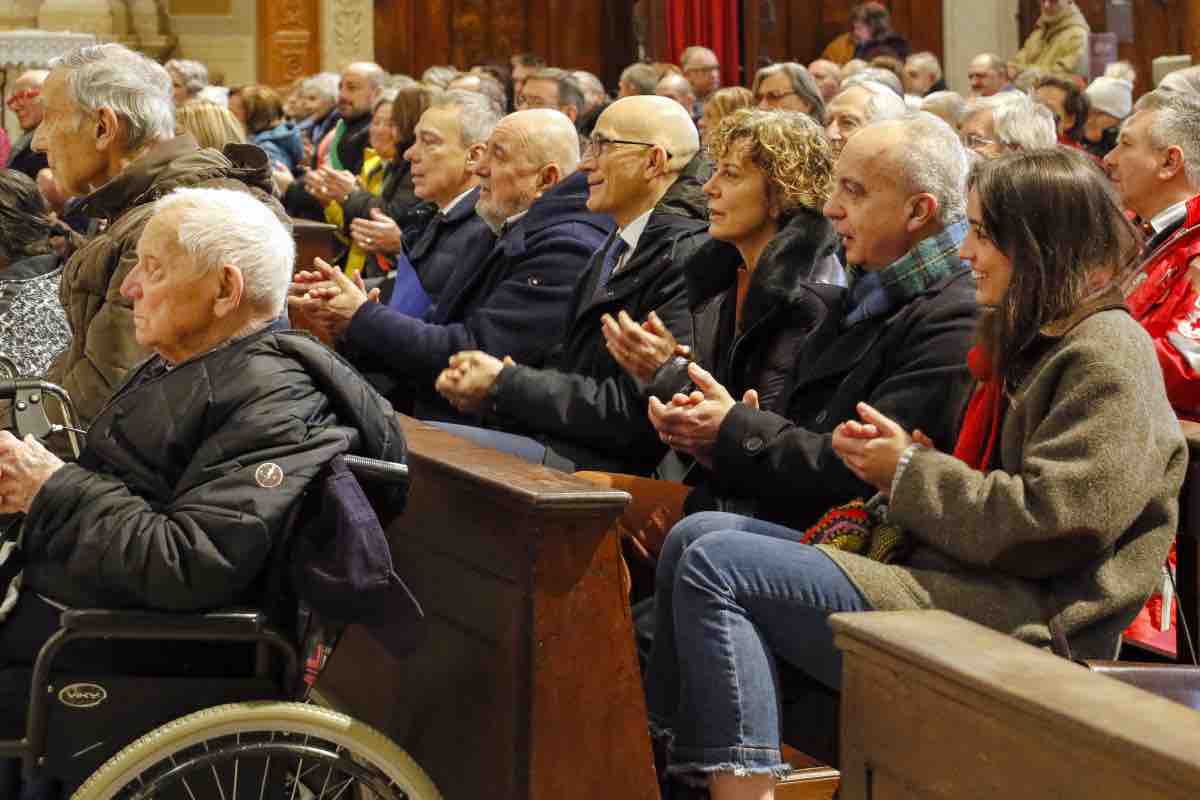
[{"x": 615, "y": 251}]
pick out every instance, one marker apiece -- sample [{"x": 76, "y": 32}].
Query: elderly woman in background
[
  {"x": 210, "y": 125},
  {"x": 380, "y": 209},
  {"x": 788, "y": 87},
  {"x": 208, "y": 446},
  {"x": 719, "y": 105},
  {"x": 188, "y": 79},
  {"x": 1002, "y": 123},
  {"x": 33, "y": 325},
  {"x": 1053, "y": 513},
  {"x": 260, "y": 111}
]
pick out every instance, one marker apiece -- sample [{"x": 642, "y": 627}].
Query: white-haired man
[
  {"x": 109, "y": 135},
  {"x": 923, "y": 75},
  {"x": 679, "y": 89},
  {"x": 987, "y": 75},
  {"x": 25, "y": 102},
  {"x": 514, "y": 303},
  {"x": 1156, "y": 168},
  {"x": 858, "y": 105},
  {"x": 1005, "y": 122},
  {"x": 207, "y": 448},
  {"x": 898, "y": 339}
]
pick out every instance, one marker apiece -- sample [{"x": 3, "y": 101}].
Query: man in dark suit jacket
[
  {"x": 514, "y": 303},
  {"x": 582, "y": 405}
]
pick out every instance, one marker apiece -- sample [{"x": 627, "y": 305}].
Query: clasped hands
[
  {"x": 871, "y": 449},
  {"x": 324, "y": 300},
  {"x": 465, "y": 383},
  {"x": 24, "y": 467}
]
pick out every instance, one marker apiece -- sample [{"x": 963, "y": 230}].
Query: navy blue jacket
[{"x": 514, "y": 303}]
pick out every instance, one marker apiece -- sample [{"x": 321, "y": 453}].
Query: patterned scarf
[{"x": 875, "y": 294}]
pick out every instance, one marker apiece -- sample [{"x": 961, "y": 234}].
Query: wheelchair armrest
[{"x": 140, "y": 624}]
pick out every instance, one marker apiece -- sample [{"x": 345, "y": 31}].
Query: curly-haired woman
[{"x": 751, "y": 310}]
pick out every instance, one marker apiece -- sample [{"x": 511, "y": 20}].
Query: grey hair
[
  {"x": 588, "y": 82},
  {"x": 1176, "y": 124},
  {"x": 1121, "y": 70},
  {"x": 883, "y": 105},
  {"x": 694, "y": 50},
  {"x": 193, "y": 73},
  {"x": 951, "y": 104},
  {"x": 477, "y": 114},
  {"x": 927, "y": 61},
  {"x": 883, "y": 77},
  {"x": 1185, "y": 80},
  {"x": 324, "y": 84},
  {"x": 136, "y": 89},
  {"x": 803, "y": 84},
  {"x": 398, "y": 82},
  {"x": 439, "y": 76},
  {"x": 217, "y": 227},
  {"x": 1019, "y": 122},
  {"x": 934, "y": 162},
  {"x": 570, "y": 93},
  {"x": 385, "y": 96},
  {"x": 642, "y": 76},
  {"x": 994, "y": 62}
]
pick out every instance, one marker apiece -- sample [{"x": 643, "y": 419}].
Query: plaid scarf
[{"x": 874, "y": 294}]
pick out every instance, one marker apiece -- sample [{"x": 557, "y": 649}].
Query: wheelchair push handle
[
  {"x": 28, "y": 396},
  {"x": 372, "y": 470}
]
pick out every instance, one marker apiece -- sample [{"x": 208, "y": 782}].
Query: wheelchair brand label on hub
[{"x": 82, "y": 695}]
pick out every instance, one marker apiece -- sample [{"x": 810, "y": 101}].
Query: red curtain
[{"x": 711, "y": 23}]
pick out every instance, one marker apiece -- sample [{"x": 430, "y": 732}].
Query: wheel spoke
[{"x": 187, "y": 786}]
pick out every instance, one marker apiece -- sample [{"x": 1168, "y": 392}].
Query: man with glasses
[
  {"x": 857, "y": 106},
  {"x": 1003, "y": 123},
  {"x": 703, "y": 71},
  {"x": 513, "y": 303},
  {"x": 582, "y": 411},
  {"x": 25, "y": 103},
  {"x": 552, "y": 88}
]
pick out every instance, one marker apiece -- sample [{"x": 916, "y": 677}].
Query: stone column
[{"x": 347, "y": 32}]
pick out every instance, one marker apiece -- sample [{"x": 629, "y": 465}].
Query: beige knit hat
[{"x": 1112, "y": 96}]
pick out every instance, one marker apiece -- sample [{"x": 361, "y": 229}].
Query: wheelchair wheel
[{"x": 261, "y": 750}]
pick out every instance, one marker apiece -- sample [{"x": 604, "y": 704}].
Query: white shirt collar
[
  {"x": 1168, "y": 216},
  {"x": 631, "y": 233},
  {"x": 450, "y": 206}
]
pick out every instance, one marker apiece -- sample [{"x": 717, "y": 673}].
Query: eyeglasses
[
  {"x": 772, "y": 97},
  {"x": 975, "y": 142},
  {"x": 713, "y": 68},
  {"x": 23, "y": 97},
  {"x": 532, "y": 101},
  {"x": 595, "y": 147}
]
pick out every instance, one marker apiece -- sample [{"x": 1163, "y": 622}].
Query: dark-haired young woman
[{"x": 1057, "y": 505}]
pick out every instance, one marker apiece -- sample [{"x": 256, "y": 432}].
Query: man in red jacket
[{"x": 1156, "y": 167}]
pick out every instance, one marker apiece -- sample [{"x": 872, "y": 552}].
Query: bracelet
[{"x": 902, "y": 464}]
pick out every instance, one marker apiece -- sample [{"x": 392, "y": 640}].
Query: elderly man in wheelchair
[{"x": 183, "y": 502}]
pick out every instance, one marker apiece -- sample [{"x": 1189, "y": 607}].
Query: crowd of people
[{"x": 850, "y": 340}]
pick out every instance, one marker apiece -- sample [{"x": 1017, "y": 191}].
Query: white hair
[
  {"x": 950, "y": 104},
  {"x": 928, "y": 62},
  {"x": 878, "y": 75},
  {"x": 882, "y": 105},
  {"x": 219, "y": 227},
  {"x": 193, "y": 73},
  {"x": 136, "y": 89},
  {"x": 324, "y": 83},
  {"x": 1019, "y": 122},
  {"x": 1121, "y": 70},
  {"x": 1176, "y": 123},
  {"x": 477, "y": 114},
  {"x": 933, "y": 161}
]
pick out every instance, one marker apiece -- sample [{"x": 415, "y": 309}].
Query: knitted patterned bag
[{"x": 861, "y": 527}]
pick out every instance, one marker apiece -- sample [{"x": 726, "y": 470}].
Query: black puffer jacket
[
  {"x": 190, "y": 475},
  {"x": 584, "y": 406}
]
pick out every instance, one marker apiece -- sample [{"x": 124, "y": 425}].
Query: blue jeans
[{"x": 732, "y": 594}]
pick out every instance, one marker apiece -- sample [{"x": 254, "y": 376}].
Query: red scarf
[{"x": 981, "y": 425}]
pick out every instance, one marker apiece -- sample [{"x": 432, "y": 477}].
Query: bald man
[
  {"x": 581, "y": 411},
  {"x": 677, "y": 88},
  {"x": 512, "y": 303},
  {"x": 828, "y": 76},
  {"x": 26, "y": 104}
]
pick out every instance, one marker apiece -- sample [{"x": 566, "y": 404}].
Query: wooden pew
[
  {"x": 934, "y": 706},
  {"x": 314, "y": 240},
  {"x": 527, "y": 684}
]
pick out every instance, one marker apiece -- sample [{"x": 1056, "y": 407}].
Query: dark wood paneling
[
  {"x": 799, "y": 31},
  {"x": 413, "y": 35}
]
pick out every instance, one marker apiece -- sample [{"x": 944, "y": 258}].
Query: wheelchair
[{"x": 249, "y": 732}]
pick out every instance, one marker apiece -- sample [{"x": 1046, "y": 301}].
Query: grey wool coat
[{"x": 1077, "y": 517}]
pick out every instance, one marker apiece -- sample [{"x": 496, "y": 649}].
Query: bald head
[
  {"x": 549, "y": 137},
  {"x": 658, "y": 120},
  {"x": 828, "y": 76},
  {"x": 677, "y": 88},
  {"x": 358, "y": 89},
  {"x": 24, "y": 100}
]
